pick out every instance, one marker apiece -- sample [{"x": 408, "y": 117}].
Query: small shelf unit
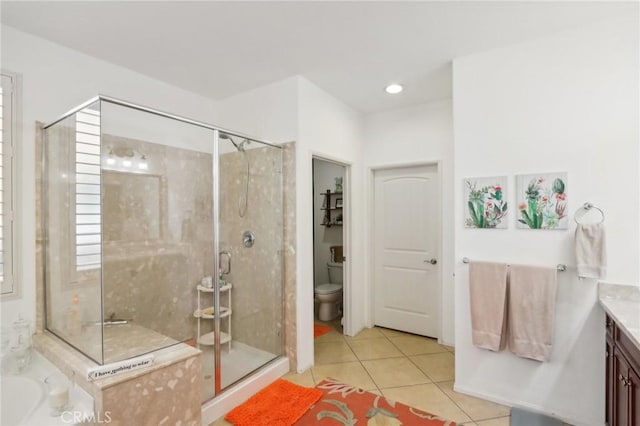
[
  {"x": 328, "y": 206},
  {"x": 207, "y": 313}
]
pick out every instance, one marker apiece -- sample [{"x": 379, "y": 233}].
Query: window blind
[{"x": 87, "y": 202}]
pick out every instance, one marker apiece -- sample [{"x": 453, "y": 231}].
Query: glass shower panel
[
  {"x": 157, "y": 203},
  {"x": 72, "y": 230},
  {"x": 251, "y": 231}
]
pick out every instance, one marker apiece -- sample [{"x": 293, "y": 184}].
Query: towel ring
[{"x": 586, "y": 207}]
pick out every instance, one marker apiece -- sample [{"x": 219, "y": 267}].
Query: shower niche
[{"x": 137, "y": 206}]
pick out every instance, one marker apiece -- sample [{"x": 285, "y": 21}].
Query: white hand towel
[
  {"x": 532, "y": 301},
  {"x": 591, "y": 250},
  {"x": 488, "y": 297}
]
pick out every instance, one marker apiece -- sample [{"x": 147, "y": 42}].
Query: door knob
[{"x": 431, "y": 261}]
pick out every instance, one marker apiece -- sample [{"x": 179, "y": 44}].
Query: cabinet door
[
  {"x": 621, "y": 390},
  {"x": 610, "y": 381},
  {"x": 634, "y": 398}
]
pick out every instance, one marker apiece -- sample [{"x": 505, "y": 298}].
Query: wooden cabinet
[
  {"x": 610, "y": 366},
  {"x": 622, "y": 378}
]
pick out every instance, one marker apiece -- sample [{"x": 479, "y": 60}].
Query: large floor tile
[
  {"x": 351, "y": 373},
  {"x": 221, "y": 422},
  {"x": 394, "y": 333},
  {"x": 332, "y": 352},
  {"x": 393, "y": 372},
  {"x": 374, "y": 348},
  {"x": 502, "y": 421},
  {"x": 428, "y": 398},
  {"x": 302, "y": 379},
  {"x": 438, "y": 367},
  {"x": 416, "y": 345},
  {"x": 477, "y": 409},
  {"x": 332, "y": 336},
  {"x": 367, "y": 333}
]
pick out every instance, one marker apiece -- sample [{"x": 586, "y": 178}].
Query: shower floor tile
[{"x": 238, "y": 362}]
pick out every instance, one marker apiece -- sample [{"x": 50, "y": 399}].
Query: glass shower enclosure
[{"x": 161, "y": 230}]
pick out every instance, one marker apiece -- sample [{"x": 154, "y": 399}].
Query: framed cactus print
[
  {"x": 484, "y": 202},
  {"x": 542, "y": 201}
]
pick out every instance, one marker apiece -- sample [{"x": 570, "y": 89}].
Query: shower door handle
[{"x": 224, "y": 253}]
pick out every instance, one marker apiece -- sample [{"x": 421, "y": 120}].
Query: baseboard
[{"x": 520, "y": 404}]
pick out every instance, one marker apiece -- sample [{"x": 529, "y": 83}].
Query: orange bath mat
[
  {"x": 282, "y": 403},
  {"x": 320, "y": 330}
]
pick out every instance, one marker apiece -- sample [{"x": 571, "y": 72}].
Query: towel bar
[{"x": 560, "y": 266}]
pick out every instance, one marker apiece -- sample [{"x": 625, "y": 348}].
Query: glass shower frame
[{"x": 216, "y": 141}]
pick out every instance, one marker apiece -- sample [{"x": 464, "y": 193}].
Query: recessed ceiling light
[{"x": 393, "y": 88}]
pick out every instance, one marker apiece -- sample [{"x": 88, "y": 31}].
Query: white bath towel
[
  {"x": 532, "y": 301},
  {"x": 488, "y": 297},
  {"x": 591, "y": 250}
]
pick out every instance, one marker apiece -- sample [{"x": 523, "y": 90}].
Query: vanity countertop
[{"x": 622, "y": 303}]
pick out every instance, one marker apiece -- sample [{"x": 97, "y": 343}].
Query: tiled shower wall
[
  {"x": 256, "y": 272},
  {"x": 157, "y": 237}
]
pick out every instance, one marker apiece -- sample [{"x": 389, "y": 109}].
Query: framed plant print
[
  {"x": 542, "y": 201},
  {"x": 484, "y": 202}
]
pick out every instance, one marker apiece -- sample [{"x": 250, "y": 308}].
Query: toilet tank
[{"x": 335, "y": 272}]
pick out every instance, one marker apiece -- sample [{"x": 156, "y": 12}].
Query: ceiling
[{"x": 350, "y": 49}]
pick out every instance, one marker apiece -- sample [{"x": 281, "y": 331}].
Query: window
[
  {"x": 87, "y": 202},
  {"x": 7, "y": 136}
]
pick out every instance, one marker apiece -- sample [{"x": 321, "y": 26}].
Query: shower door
[{"x": 249, "y": 247}]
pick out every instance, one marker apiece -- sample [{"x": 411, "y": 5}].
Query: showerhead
[{"x": 239, "y": 147}]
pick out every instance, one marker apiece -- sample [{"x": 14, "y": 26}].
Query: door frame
[
  {"x": 370, "y": 243},
  {"x": 347, "y": 290}
]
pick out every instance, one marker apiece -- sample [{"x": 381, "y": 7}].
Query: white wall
[
  {"x": 562, "y": 103},
  {"x": 418, "y": 134},
  {"x": 296, "y": 110},
  {"x": 332, "y": 130},
  {"x": 269, "y": 112},
  {"x": 54, "y": 80},
  {"x": 324, "y": 174}
]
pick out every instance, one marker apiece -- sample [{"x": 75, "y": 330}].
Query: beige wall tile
[
  {"x": 439, "y": 367},
  {"x": 429, "y": 398}
]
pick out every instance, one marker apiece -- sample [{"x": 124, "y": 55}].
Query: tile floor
[{"x": 414, "y": 370}]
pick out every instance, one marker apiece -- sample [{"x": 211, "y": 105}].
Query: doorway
[
  {"x": 406, "y": 249},
  {"x": 329, "y": 222}
]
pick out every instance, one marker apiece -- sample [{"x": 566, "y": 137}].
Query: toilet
[{"x": 330, "y": 294}]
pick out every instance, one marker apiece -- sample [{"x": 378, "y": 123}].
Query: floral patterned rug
[{"x": 342, "y": 404}]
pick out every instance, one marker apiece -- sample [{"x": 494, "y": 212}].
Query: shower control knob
[{"x": 248, "y": 239}]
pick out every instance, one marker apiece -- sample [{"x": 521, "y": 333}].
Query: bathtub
[{"x": 24, "y": 399}]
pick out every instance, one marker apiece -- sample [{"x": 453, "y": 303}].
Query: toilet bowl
[{"x": 330, "y": 294}]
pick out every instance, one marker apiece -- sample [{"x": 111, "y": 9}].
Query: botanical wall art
[
  {"x": 484, "y": 203},
  {"x": 542, "y": 201}
]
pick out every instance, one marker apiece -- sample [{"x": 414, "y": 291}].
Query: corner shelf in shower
[{"x": 207, "y": 313}]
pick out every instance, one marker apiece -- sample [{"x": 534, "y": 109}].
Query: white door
[{"x": 406, "y": 241}]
